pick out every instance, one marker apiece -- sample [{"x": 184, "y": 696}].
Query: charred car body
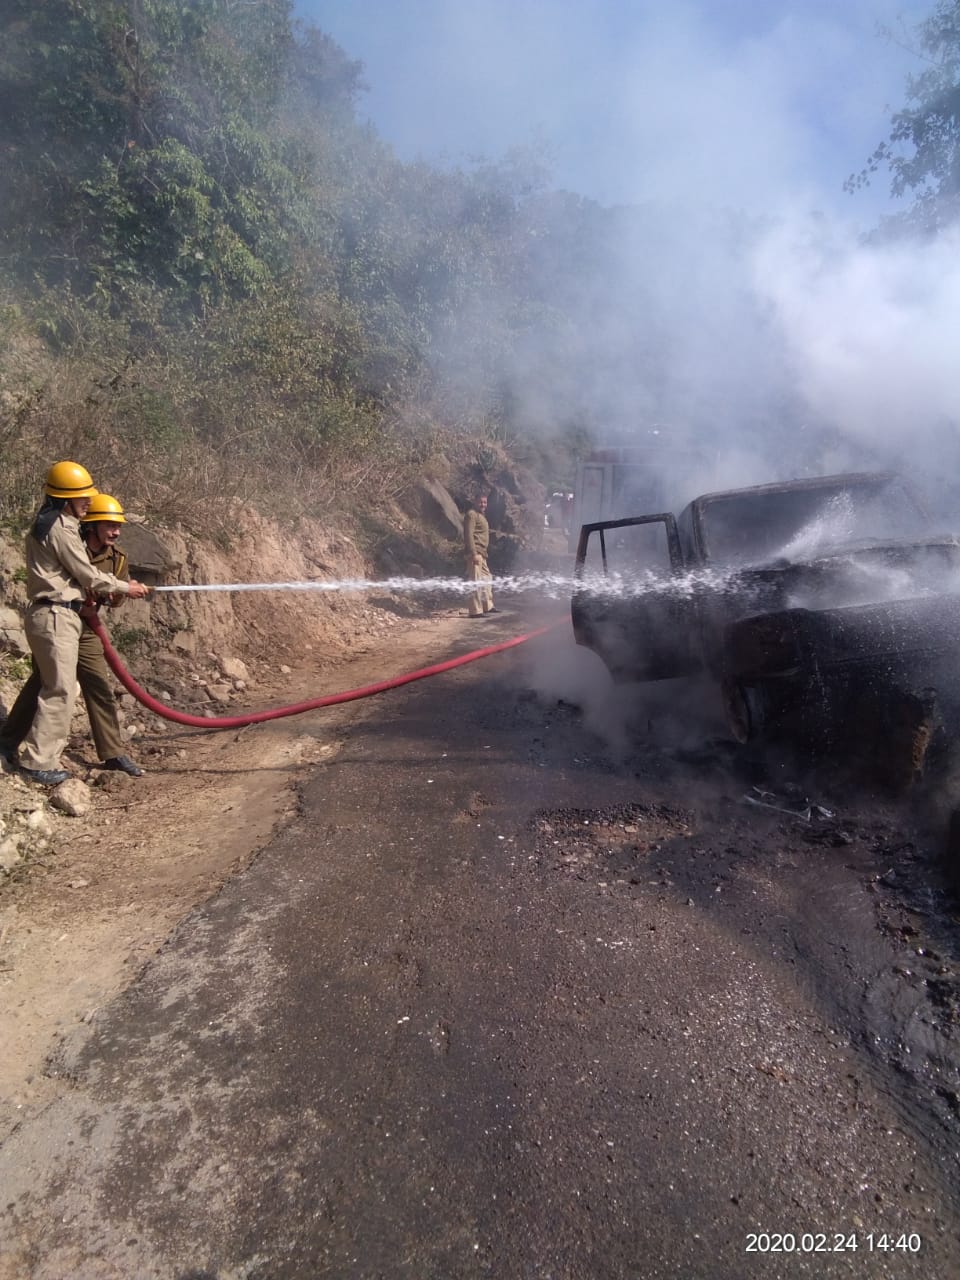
[{"x": 806, "y": 601}]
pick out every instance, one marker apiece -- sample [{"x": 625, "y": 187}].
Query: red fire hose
[{"x": 257, "y": 717}]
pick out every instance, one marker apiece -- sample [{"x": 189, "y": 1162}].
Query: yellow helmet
[
  {"x": 103, "y": 507},
  {"x": 69, "y": 480}
]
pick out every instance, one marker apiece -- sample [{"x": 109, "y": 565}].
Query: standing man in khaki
[
  {"x": 59, "y": 577},
  {"x": 100, "y": 529},
  {"x": 476, "y": 544}
]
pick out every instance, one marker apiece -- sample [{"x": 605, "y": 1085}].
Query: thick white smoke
[{"x": 870, "y": 332}]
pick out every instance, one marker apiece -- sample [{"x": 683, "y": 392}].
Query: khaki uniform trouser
[
  {"x": 54, "y": 637},
  {"x": 93, "y": 675},
  {"x": 480, "y": 599}
]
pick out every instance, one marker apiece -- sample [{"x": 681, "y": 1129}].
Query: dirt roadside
[{"x": 78, "y": 923}]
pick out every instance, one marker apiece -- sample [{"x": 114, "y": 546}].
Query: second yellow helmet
[{"x": 103, "y": 507}]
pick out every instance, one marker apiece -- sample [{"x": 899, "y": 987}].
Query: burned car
[{"x": 807, "y": 601}]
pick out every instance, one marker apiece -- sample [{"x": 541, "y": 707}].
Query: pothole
[{"x": 599, "y": 843}]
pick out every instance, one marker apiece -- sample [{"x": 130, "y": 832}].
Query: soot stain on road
[{"x": 852, "y": 905}]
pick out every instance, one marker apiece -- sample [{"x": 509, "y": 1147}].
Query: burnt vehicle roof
[
  {"x": 846, "y": 479},
  {"x": 757, "y": 523}
]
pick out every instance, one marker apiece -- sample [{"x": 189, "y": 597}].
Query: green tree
[
  {"x": 137, "y": 144},
  {"x": 923, "y": 150}
]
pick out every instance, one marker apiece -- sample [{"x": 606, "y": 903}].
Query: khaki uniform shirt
[
  {"x": 59, "y": 569},
  {"x": 476, "y": 534},
  {"x": 111, "y": 560}
]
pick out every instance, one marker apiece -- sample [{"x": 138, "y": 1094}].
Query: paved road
[{"x": 502, "y": 1003}]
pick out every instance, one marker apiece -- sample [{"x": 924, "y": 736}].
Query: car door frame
[{"x": 639, "y": 638}]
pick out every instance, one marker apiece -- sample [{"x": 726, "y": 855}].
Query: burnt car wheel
[{"x": 745, "y": 709}]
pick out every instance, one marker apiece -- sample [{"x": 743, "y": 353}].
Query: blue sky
[{"x": 765, "y": 105}]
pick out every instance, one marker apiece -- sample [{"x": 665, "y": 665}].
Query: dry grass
[
  {"x": 170, "y": 426},
  {"x": 180, "y": 465}
]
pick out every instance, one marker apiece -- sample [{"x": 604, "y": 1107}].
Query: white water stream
[{"x": 552, "y": 585}]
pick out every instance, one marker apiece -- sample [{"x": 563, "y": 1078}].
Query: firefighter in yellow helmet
[
  {"x": 100, "y": 529},
  {"x": 60, "y": 576}
]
